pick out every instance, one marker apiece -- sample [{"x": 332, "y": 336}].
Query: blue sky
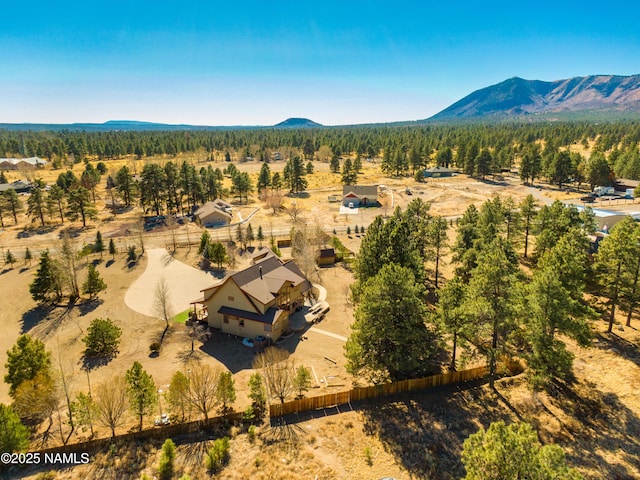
[{"x": 257, "y": 63}]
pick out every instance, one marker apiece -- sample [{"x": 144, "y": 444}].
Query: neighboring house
[
  {"x": 438, "y": 172},
  {"x": 30, "y": 163},
  {"x": 222, "y": 205},
  {"x": 326, "y": 256},
  {"x": 360, "y": 195},
  {"x": 604, "y": 218},
  {"x": 20, "y": 186},
  {"x": 213, "y": 214},
  {"x": 256, "y": 301}
]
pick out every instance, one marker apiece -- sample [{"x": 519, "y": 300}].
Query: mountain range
[{"x": 595, "y": 97}]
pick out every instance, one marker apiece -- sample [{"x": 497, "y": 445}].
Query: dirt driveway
[{"x": 183, "y": 284}]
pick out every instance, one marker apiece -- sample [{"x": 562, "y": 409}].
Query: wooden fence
[
  {"x": 374, "y": 391},
  {"x": 167, "y": 431}
]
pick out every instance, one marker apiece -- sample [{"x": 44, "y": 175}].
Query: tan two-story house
[{"x": 257, "y": 300}]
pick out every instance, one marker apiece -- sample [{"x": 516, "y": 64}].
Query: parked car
[{"x": 162, "y": 420}]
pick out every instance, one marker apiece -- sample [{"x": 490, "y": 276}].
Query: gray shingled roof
[
  {"x": 211, "y": 207},
  {"x": 360, "y": 190},
  {"x": 274, "y": 275},
  {"x": 269, "y": 316}
]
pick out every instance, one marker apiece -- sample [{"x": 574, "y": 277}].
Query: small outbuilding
[
  {"x": 326, "y": 256},
  {"x": 438, "y": 172}
]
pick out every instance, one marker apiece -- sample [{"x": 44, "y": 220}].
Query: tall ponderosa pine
[
  {"x": 79, "y": 205},
  {"x": 389, "y": 339},
  {"x": 36, "y": 203},
  {"x": 468, "y": 234},
  {"x": 528, "y": 210},
  {"x": 437, "y": 243},
  {"x": 264, "y": 178},
  {"x": 616, "y": 262},
  {"x": 490, "y": 301},
  {"x": 57, "y": 200},
  {"x": 153, "y": 184},
  {"x": 554, "y": 305},
  {"x": 125, "y": 186},
  {"x": 452, "y": 317},
  {"x": 12, "y": 203},
  {"x": 294, "y": 175}
]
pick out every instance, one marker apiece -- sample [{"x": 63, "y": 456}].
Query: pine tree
[
  {"x": 264, "y": 178},
  {"x": 141, "y": 391},
  {"x": 112, "y": 249},
  {"x": 389, "y": 339},
  {"x": 9, "y": 258},
  {"x": 250, "y": 236},
  {"x": 27, "y": 256},
  {"x": 94, "y": 282},
  {"x": 513, "y": 451},
  {"x": 98, "y": 245},
  {"x": 616, "y": 263},
  {"x": 451, "y": 315},
  {"x": 226, "y": 391},
  {"x": 14, "y": 436},
  {"x": 260, "y": 236},
  {"x": 334, "y": 165},
  {"x": 47, "y": 283},
  {"x": 491, "y": 301}
]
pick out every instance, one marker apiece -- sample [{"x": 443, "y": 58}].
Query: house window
[
  {"x": 225, "y": 319},
  {"x": 241, "y": 323},
  {"x": 230, "y": 298}
]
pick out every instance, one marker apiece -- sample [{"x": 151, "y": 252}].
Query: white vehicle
[
  {"x": 162, "y": 420},
  {"x": 600, "y": 191}
]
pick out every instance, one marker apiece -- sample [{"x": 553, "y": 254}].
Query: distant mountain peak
[
  {"x": 297, "y": 123},
  {"x": 517, "y": 97}
]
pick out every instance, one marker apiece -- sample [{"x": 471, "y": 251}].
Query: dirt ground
[{"x": 596, "y": 419}]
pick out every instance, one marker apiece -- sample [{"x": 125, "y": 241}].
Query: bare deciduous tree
[
  {"x": 198, "y": 333},
  {"x": 162, "y": 303},
  {"x": 274, "y": 200},
  {"x": 112, "y": 401},
  {"x": 278, "y": 370},
  {"x": 203, "y": 384}
]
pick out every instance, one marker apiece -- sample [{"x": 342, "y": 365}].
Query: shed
[
  {"x": 326, "y": 256},
  {"x": 438, "y": 172}
]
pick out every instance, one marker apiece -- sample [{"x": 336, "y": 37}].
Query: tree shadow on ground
[
  {"x": 30, "y": 232},
  {"x": 228, "y": 350},
  {"x": 121, "y": 460},
  {"x": 24, "y": 269},
  {"x": 91, "y": 363},
  {"x": 89, "y": 306},
  {"x": 31, "y": 318},
  {"x": 424, "y": 431},
  {"x": 599, "y": 426},
  {"x": 612, "y": 342},
  {"x": 109, "y": 263}
]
